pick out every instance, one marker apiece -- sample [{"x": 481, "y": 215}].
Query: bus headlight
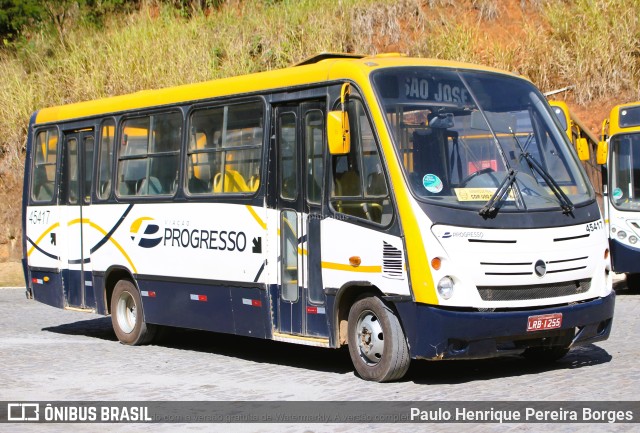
[
  {"x": 633, "y": 239},
  {"x": 622, "y": 234},
  {"x": 445, "y": 287}
]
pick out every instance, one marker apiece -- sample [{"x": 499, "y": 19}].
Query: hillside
[{"x": 592, "y": 46}]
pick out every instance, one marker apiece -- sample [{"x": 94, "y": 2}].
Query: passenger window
[
  {"x": 314, "y": 142},
  {"x": 359, "y": 184},
  {"x": 149, "y": 155},
  {"x": 225, "y": 149},
  {"x": 289, "y": 262},
  {"x": 88, "y": 143},
  {"x": 107, "y": 137},
  {"x": 44, "y": 167},
  {"x": 288, "y": 156},
  {"x": 70, "y": 172}
]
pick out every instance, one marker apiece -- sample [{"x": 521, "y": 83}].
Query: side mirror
[
  {"x": 338, "y": 134},
  {"x": 582, "y": 146},
  {"x": 603, "y": 150}
]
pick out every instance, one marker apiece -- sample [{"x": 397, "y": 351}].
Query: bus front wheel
[
  {"x": 127, "y": 318},
  {"x": 377, "y": 344}
]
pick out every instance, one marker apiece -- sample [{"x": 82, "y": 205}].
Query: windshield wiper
[
  {"x": 490, "y": 207},
  {"x": 565, "y": 202}
]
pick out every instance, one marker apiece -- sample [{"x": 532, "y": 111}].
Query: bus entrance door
[
  {"x": 75, "y": 195},
  {"x": 300, "y": 149}
]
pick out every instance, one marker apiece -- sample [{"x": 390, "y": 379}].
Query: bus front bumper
[{"x": 435, "y": 333}]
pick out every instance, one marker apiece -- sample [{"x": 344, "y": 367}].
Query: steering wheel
[{"x": 477, "y": 173}]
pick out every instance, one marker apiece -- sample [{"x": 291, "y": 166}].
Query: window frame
[
  {"x": 111, "y": 163},
  {"x": 186, "y": 166},
  {"x": 146, "y": 157},
  {"x": 34, "y": 165},
  {"x": 331, "y": 197}
]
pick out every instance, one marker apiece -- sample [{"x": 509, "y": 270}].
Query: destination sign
[{"x": 429, "y": 89}]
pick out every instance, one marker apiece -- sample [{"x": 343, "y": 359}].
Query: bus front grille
[{"x": 536, "y": 291}]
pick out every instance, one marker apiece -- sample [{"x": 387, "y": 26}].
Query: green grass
[{"x": 587, "y": 43}]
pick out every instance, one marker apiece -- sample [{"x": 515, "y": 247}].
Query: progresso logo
[
  {"x": 145, "y": 233},
  {"x": 470, "y": 234}
]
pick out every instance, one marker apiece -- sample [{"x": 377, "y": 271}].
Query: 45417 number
[
  {"x": 592, "y": 227},
  {"x": 39, "y": 216}
]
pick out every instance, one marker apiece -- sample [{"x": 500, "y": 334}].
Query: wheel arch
[
  {"x": 112, "y": 276},
  {"x": 346, "y": 296}
]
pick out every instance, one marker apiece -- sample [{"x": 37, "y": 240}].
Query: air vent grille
[
  {"x": 391, "y": 261},
  {"x": 537, "y": 291}
]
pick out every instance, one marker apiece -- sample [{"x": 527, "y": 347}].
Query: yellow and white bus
[
  {"x": 584, "y": 141},
  {"x": 408, "y": 208},
  {"x": 619, "y": 150}
]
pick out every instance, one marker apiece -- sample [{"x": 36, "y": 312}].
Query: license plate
[{"x": 544, "y": 322}]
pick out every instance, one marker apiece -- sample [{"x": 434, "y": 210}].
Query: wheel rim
[
  {"x": 127, "y": 312},
  {"x": 369, "y": 338}
]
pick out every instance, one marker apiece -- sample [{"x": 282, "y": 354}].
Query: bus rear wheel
[
  {"x": 127, "y": 317},
  {"x": 377, "y": 344}
]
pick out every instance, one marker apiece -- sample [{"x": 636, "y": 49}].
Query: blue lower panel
[
  {"x": 72, "y": 283},
  {"x": 47, "y": 288},
  {"x": 250, "y": 308},
  {"x": 624, "y": 258},
  {"x": 98, "y": 294},
  {"x": 436, "y": 333},
  {"x": 233, "y": 310},
  {"x": 317, "y": 322}
]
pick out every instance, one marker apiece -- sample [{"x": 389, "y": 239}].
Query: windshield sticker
[
  {"x": 478, "y": 194},
  {"x": 432, "y": 183},
  {"x": 617, "y": 194}
]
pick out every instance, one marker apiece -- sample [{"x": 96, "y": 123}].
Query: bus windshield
[
  {"x": 469, "y": 138},
  {"x": 625, "y": 173}
]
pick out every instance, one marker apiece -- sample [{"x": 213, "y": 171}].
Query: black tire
[
  {"x": 545, "y": 354},
  {"x": 633, "y": 282},
  {"x": 377, "y": 344},
  {"x": 127, "y": 317}
]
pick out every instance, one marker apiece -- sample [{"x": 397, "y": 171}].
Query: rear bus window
[{"x": 44, "y": 167}]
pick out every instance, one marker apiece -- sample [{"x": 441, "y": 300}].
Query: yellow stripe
[
  {"x": 42, "y": 237},
  {"x": 117, "y": 245},
  {"x": 302, "y": 252},
  {"x": 98, "y": 228},
  {"x": 422, "y": 285},
  {"x": 257, "y": 217},
  {"x": 341, "y": 267},
  {"x": 78, "y": 220}
]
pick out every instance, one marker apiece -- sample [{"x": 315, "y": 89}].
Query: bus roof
[
  {"x": 572, "y": 117},
  {"x": 614, "y": 119},
  {"x": 322, "y": 68}
]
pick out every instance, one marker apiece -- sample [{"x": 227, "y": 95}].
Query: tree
[{"x": 16, "y": 15}]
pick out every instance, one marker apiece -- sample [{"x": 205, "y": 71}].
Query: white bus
[
  {"x": 408, "y": 208},
  {"x": 619, "y": 150}
]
